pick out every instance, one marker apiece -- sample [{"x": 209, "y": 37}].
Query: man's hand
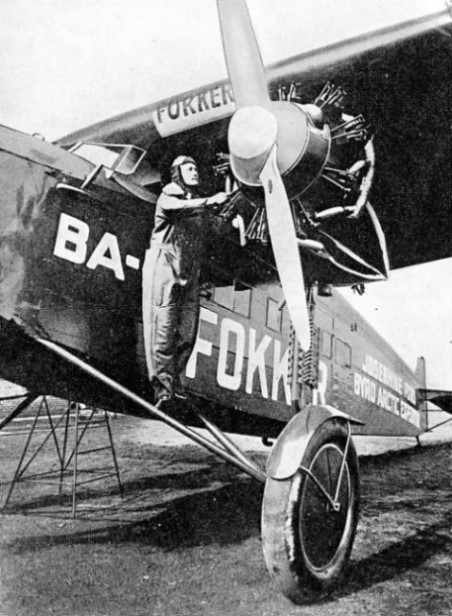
[{"x": 218, "y": 199}]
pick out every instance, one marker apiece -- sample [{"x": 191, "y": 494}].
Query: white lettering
[
  {"x": 107, "y": 254},
  {"x": 383, "y": 374},
  {"x": 202, "y": 345},
  {"x": 365, "y": 388},
  {"x": 280, "y": 369},
  {"x": 231, "y": 357},
  {"x": 256, "y": 359},
  {"x": 387, "y": 400},
  {"x": 232, "y": 378},
  {"x": 71, "y": 239},
  {"x": 132, "y": 262}
]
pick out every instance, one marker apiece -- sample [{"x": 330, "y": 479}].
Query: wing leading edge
[{"x": 398, "y": 77}]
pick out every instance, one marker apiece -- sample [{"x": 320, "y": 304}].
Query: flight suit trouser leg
[
  {"x": 188, "y": 320},
  {"x": 161, "y": 296}
]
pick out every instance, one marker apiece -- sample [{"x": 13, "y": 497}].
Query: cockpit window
[
  {"x": 120, "y": 161},
  {"x": 123, "y": 159},
  {"x": 97, "y": 154}
]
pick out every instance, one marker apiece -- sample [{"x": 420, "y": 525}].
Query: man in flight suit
[{"x": 171, "y": 277}]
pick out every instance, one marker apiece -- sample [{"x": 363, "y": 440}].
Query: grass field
[{"x": 186, "y": 539}]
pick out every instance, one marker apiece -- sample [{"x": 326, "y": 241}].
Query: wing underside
[
  {"x": 399, "y": 79},
  {"x": 441, "y": 398}
]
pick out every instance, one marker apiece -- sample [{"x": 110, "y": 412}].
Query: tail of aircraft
[
  {"x": 442, "y": 399},
  {"x": 421, "y": 372}
]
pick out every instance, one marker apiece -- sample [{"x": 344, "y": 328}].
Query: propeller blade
[
  {"x": 243, "y": 58},
  {"x": 285, "y": 248},
  {"x": 252, "y": 143}
]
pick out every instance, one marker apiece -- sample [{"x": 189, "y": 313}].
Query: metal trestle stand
[{"x": 68, "y": 431}]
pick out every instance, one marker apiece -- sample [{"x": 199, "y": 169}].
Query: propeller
[{"x": 259, "y": 131}]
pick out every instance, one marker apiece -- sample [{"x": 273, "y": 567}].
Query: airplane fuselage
[{"x": 71, "y": 268}]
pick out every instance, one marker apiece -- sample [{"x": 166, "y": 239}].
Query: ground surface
[{"x": 186, "y": 539}]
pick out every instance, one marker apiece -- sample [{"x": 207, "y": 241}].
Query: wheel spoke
[
  {"x": 328, "y": 521},
  {"x": 334, "y": 504}
]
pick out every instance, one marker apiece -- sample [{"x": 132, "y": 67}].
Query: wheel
[{"x": 307, "y": 532}]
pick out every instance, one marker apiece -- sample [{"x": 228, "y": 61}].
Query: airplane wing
[
  {"x": 440, "y": 397},
  {"x": 398, "y": 78}
]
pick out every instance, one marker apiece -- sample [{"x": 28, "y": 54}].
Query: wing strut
[{"x": 151, "y": 410}]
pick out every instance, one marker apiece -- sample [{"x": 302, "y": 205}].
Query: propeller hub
[{"x": 252, "y": 133}]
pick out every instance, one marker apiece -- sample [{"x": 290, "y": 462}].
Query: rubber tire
[{"x": 285, "y": 511}]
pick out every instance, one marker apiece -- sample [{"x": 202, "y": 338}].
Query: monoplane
[{"x": 338, "y": 163}]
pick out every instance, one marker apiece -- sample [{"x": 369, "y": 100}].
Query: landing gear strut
[
  {"x": 310, "y": 507},
  {"x": 309, "y": 519}
]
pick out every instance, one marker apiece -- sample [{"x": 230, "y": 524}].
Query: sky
[
  {"x": 65, "y": 64},
  {"x": 413, "y": 310}
]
